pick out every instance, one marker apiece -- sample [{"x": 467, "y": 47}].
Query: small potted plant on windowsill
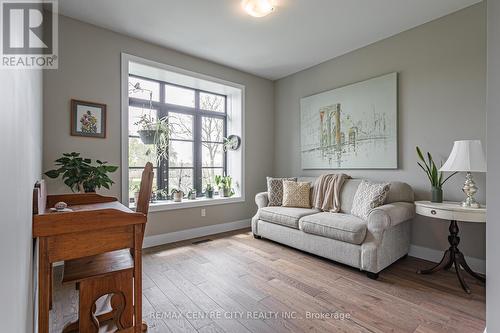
[
  {"x": 224, "y": 184},
  {"x": 435, "y": 177},
  {"x": 161, "y": 195},
  {"x": 209, "y": 191},
  {"x": 135, "y": 190},
  {"x": 177, "y": 195},
  {"x": 192, "y": 194}
]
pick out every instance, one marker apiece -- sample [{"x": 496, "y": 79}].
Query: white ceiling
[{"x": 299, "y": 34}]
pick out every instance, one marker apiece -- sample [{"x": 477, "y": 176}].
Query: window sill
[{"x": 164, "y": 205}]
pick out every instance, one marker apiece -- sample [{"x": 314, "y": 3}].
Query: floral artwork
[{"x": 88, "y": 119}]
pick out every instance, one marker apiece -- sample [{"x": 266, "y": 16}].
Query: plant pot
[
  {"x": 437, "y": 194},
  {"x": 209, "y": 194},
  {"x": 177, "y": 197},
  {"x": 226, "y": 192},
  {"x": 147, "y": 136},
  {"x": 192, "y": 196}
]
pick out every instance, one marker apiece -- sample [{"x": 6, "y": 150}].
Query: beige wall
[
  {"x": 89, "y": 69},
  {"x": 20, "y": 168},
  {"x": 442, "y": 87}
]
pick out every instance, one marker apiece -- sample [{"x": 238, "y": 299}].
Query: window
[{"x": 198, "y": 120}]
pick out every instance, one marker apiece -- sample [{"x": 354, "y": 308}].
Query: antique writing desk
[{"x": 97, "y": 224}]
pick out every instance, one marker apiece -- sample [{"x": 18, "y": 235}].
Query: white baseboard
[
  {"x": 181, "y": 235},
  {"x": 477, "y": 265}
]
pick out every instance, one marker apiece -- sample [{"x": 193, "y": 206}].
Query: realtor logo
[{"x": 29, "y": 34}]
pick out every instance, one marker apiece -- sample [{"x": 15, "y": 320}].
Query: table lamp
[{"x": 467, "y": 156}]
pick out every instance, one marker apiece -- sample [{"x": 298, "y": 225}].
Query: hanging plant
[{"x": 155, "y": 132}]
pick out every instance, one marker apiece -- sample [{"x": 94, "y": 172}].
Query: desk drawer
[
  {"x": 436, "y": 213},
  {"x": 78, "y": 245}
]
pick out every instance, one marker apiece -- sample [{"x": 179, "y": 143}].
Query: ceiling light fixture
[{"x": 258, "y": 8}]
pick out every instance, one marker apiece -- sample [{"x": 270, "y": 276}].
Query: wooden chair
[{"x": 112, "y": 273}]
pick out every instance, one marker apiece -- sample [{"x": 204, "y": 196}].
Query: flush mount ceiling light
[{"x": 258, "y": 8}]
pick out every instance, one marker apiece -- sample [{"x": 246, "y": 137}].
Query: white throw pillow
[{"x": 368, "y": 196}]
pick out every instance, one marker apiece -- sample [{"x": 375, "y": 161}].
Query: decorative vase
[
  {"x": 147, "y": 136},
  {"x": 178, "y": 196},
  {"x": 437, "y": 194},
  {"x": 209, "y": 194}
]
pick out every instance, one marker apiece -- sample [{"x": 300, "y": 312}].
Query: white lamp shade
[{"x": 466, "y": 155}]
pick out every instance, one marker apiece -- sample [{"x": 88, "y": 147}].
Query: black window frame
[{"x": 163, "y": 108}]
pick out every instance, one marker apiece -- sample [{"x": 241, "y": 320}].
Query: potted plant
[
  {"x": 224, "y": 184},
  {"x": 177, "y": 195},
  {"x": 209, "y": 191},
  {"x": 155, "y": 132},
  {"x": 435, "y": 177},
  {"x": 80, "y": 175},
  {"x": 161, "y": 195},
  {"x": 192, "y": 194},
  {"x": 135, "y": 189}
]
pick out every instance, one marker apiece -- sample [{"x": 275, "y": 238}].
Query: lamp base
[{"x": 470, "y": 189}]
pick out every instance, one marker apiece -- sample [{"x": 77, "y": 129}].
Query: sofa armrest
[
  {"x": 389, "y": 215},
  {"x": 261, "y": 199}
]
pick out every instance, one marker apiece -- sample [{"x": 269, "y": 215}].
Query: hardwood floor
[{"x": 235, "y": 283}]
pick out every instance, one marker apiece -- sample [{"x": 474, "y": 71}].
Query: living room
[{"x": 254, "y": 165}]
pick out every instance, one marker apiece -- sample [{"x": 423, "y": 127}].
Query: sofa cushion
[
  {"x": 343, "y": 227},
  {"x": 275, "y": 190},
  {"x": 287, "y": 216},
  {"x": 296, "y": 194}
]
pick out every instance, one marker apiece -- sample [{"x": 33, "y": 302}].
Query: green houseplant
[
  {"x": 435, "y": 177},
  {"x": 177, "y": 195},
  {"x": 209, "y": 191},
  {"x": 80, "y": 174},
  {"x": 224, "y": 184},
  {"x": 155, "y": 132}
]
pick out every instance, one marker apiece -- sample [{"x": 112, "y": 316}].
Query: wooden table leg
[
  {"x": 138, "y": 235},
  {"x": 453, "y": 256},
  {"x": 43, "y": 286}
]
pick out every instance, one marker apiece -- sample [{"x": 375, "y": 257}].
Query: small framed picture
[{"x": 88, "y": 119}]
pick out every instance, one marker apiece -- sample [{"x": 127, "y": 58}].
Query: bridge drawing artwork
[{"x": 353, "y": 127}]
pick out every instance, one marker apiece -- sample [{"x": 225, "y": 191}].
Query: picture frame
[{"x": 88, "y": 119}]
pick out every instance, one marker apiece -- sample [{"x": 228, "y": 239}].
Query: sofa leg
[
  {"x": 256, "y": 236},
  {"x": 372, "y": 276}
]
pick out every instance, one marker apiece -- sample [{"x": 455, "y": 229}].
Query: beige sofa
[{"x": 369, "y": 245}]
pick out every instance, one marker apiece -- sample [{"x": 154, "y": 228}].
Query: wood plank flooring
[{"x": 235, "y": 283}]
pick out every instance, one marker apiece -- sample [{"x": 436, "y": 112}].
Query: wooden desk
[{"x": 97, "y": 224}]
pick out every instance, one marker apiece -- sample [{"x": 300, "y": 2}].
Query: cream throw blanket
[{"x": 326, "y": 192}]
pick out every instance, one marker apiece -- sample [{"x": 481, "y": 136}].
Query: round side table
[{"x": 452, "y": 211}]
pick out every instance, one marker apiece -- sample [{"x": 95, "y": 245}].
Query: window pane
[
  {"x": 134, "y": 182},
  {"x": 179, "y": 96},
  {"x": 134, "y": 115},
  {"x": 180, "y": 179},
  {"x": 180, "y": 154},
  {"x": 142, "y": 89},
  {"x": 182, "y": 126},
  {"x": 139, "y": 153},
  {"x": 208, "y": 177},
  {"x": 212, "y": 129},
  {"x": 212, "y": 155},
  {"x": 211, "y": 102}
]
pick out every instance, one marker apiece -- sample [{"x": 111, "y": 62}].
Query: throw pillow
[
  {"x": 296, "y": 194},
  {"x": 368, "y": 196},
  {"x": 275, "y": 190}
]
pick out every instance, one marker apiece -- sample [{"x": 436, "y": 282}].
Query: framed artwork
[
  {"x": 88, "y": 119},
  {"x": 352, "y": 127}
]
